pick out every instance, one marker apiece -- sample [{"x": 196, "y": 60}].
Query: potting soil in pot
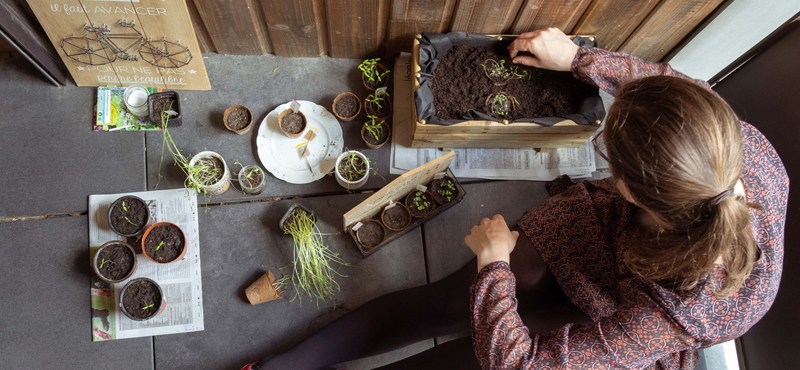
[
  {"x": 116, "y": 261},
  {"x": 164, "y": 243},
  {"x": 253, "y": 180},
  {"x": 352, "y": 170},
  {"x": 444, "y": 190},
  {"x": 460, "y": 84},
  {"x": 161, "y": 104},
  {"x": 396, "y": 217},
  {"x": 419, "y": 203},
  {"x": 370, "y": 234},
  {"x": 293, "y": 123},
  {"x": 347, "y": 106},
  {"x": 382, "y": 131},
  {"x": 213, "y": 173},
  {"x": 374, "y": 110},
  {"x": 130, "y": 217},
  {"x": 238, "y": 118},
  {"x": 141, "y": 294}
]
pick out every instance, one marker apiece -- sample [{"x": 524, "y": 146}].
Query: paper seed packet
[{"x": 112, "y": 115}]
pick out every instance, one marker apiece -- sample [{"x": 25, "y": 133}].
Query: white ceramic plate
[{"x": 278, "y": 153}]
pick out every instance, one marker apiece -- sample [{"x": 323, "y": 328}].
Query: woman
[{"x": 680, "y": 249}]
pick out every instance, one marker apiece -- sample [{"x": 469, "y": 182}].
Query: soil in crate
[
  {"x": 238, "y": 119},
  {"x": 347, "y": 106},
  {"x": 117, "y": 261},
  {"x": 396, "y": 217},
  {"x": 163, "y": 103},
  {"x": 130, "y": 217},
  {"x": 164, "y": 243},
  {"x": 459, "y": 85},
  {"x": 293, "y": 123},
  {"x": 383, "y": 133},
  {"x": 139, "y": 295},
  {"x": 371, "y": 234}
]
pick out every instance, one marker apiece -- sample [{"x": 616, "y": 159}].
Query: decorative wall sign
[{"x": 125, "y": 42}]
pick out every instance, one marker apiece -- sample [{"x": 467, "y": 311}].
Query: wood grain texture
[
  {"x": 203, "y": 38},
  {"x": 235, "y": 26},
  {"x": 614, "y": 21},
  {"x": 537, "y": 14},
  {"x": 491, "y": 17},
  {"x": 410, "y": 17},
  {"x": 666, "y": 26},
  {"x": 357, "y": 28},
  {"x": 296, "y": 28}
]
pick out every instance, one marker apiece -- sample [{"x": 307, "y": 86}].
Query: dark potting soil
[
  {"x": 116, "y": 261},
  {"x": 370, "y": 234},
  {"x": 347, "y": 106},
  {"x": 293, "y": 123},
  {"x": 130, "y": 217},
  {"x": 253, "y": 180},
  {"x": 173, "y": 243},
  {"x": 238, "y": 118},
  {"x": 396, "y": 217},
  {"x": 215, "y": 172},
  {"x": 350, "y": 169},
  {"x": 419, "y": 203},
  {"x": 380, "y": 112},
  {"x": 444, "y": 190},
  {"x": 374, "y": 85},
  {"x": 139, "y": 295},
  {"x": 460, "y": 84},
  {"x": 383, "y": 134},
  {"x": 163, "y": 103}
]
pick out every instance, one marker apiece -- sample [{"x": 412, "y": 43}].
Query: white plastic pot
[
  {"x": 350, "y": 185},
  {"x": 220, "y": 186}
]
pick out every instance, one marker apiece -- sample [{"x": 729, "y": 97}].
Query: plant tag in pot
[
  {"x": 381, "y": 90},
  {"x": 391, "y": 205},
  {"x": 171, "y": 112},
  {"x": 302, "y": 149},
  {"x": 294, "y": 106},
  {"x": 438, "y": 175},
  {"x": 357, "y": 226},
  {"x": 422, "y": 188}
]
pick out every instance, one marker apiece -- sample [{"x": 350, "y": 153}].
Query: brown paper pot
[
  {"x": 364, "y": 130},
  {"x": 385, "y": 81},
  {"x": 358, "y": 235},
  {"x": 262, "y": 290},
  {"x": 242, "y": 130},
  {"x": 339, "y": 97},
  {"x": 410, "y": 218},
  {"x": 387, "y": 101},
  {"x": 280, "y": 119}
]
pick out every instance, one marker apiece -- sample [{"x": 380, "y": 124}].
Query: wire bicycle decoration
[{"x": 98, "y": 46}]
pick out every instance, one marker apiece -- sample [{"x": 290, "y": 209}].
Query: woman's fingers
[{"x": 527, "y": 60}]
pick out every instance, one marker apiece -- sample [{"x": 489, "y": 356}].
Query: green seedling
[
  {"x": 375, "y": 128},
  {"x": 370, "y": 69},
  {"x": 159, "y": 245},
  {"x": 103, "y": 262},
  {"x": 501, "y": 104},
  {"x": 377, "y": 98},
  {"x": 124, "y": 207},
  {"x": 129, "y": 221},
  {"x": 498, "y": 72},
  {"x": 148, "y": 306}
]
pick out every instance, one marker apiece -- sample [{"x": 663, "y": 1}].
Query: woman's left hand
[{"x": 491, "y": 241}]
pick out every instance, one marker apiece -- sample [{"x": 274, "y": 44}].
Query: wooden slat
[
  {"x": 5, "y": 46},
  {"x": 485, "y": 16},
  {"x": 493, "y": 141},
  {"x": 613, "y": 21},
  {"x": 666, "y": 26},
  {"x": 357, "y": 28},
  {"x": 235, "y": 26},
  {"x": 203, "y": 38},
  {"x": 410, "y": 17},
  {"x": 536, "y": 14},
  {"x": 296, "y": 28}
]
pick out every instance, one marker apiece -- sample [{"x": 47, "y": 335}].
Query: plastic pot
[
  {"x": 96, "y": 269},
  {"x": 242, "y": 130},
  {"x": 347, "y": 184},
  {"x": 255, "y": 189},
  {"x": 118, "y": 203},
  {"x": 285, "y": 217},
  {"x": 340, "y": 97},
  {"x": 383, "y": 83},
  {"x": 365, "y": 132},
  {"x": 161, "y": 304},
  {"x": 280, "y": 119},
  {"x": 147, "y": 232},
  {"x": 155, "y": 117},
  {"x": 220, "y": 186}
]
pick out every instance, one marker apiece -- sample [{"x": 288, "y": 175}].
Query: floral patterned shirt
[{"x": 580, "y": 233}]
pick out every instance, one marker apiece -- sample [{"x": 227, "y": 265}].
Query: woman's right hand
[{"x": 550, "y": 49}]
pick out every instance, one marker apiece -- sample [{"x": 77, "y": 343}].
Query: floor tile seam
[{"x": 42, "y": 216}]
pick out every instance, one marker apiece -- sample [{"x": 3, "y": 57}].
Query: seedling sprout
[
  {"x": 148, "y": 306},
  {"x": 501, "y": 104},
  {"x": 498, "y": 72},
  {"x": 129, "y": 221},
  {"x": 103, "y": 262},
  {"x": 375, "y": 128},
  {"x": 377, "y": 98},
  {"x": 370, "y": 69},
  {"x": 124, "y": 207},
  {"x": 159, "y": 245}
]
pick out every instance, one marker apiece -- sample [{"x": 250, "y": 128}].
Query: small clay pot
[
  {"x": 429, "y": 210},
  {"x": 410, "y": 218},
  {"x": 364, "y": 131},
  {"x": 488, "y": 104},
  {"x": 162, "y": 304},
  {"x": 280, "y": 119},
  {"x": 339, "y": 97},
  {"x": 358, "y": 234},
  {"x": 96, "y": 269},
  {"x": 383, "y": 83},
  {"x": 147, "y": 233},
  {"x": 243, "y": 130},
  {"x": 386, "y": 101}
]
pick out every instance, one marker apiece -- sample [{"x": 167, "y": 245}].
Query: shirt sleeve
[
  {"x": 636, "y": 335},
  {"x": 608, "y": 70}
]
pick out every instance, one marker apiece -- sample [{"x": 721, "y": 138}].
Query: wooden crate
[{"x": 490, "y": 134}]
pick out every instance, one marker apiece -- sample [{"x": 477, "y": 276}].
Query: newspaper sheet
[
  {"x": 505, "y": 164},
  {"x": 180, "y": 281}
]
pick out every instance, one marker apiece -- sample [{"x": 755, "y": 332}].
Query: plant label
[
  {"x": 439, "y": 175},
  {"x": 294, "y": 106},
  {"x": 311, "y": 134},
  {"x": 422, "y": 188},
  {"x": 302, "y": 149},
  {"x": 391, "y": 205},
  {"x": 357, "y": 226},
  {"x": 381, "y": 90}
]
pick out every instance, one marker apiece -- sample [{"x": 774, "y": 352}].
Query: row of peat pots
[{"x": 116, "y": 261}]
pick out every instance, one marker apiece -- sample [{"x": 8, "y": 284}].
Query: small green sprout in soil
[
  {"x": 375, "y": 128},
  {"x": 370, "y": 69},
  {"x": 377, "y": 98},
  {"x": 159, "y": 245},
  {"x": 124, "y": 207},
  {"x": 499, "y": 72},
  {"x": 417, "y": 199},
  {"x": 353, "y": 167},
  {"x": 129, "y": 221},
  {"x": 448, "y": 190},
  {"x": 148, "y": 306},
  {"x": 501, "y": 104},
  {"x": 103, "y": 262}
]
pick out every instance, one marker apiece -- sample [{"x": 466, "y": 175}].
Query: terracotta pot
[
  {"x": 240, "y": 131},
  {"x": 283, "y": 114},
  {"x": 147, "y": 232},
  {"x": 161, "y": 305},
  {"x": 385, "y": 81},
  {"x": 102, "y": 247},
  {"x": 358, "y": 236},
  {"x": 339, "y": 97},
  {"x": 388, "y": 101},
  {"x": 410, "y": 217},
  {"x": 433, "y": 204},
  {"x": 364, "y": 130}
]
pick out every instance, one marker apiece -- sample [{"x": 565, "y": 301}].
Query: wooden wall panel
[
  {"x": 203, "y": 38},
  {"x": 536, "y": 14},
  {"x": 493, "y": 17},
  {"x": 666, "y": 26},
  {"x": 296, "y": 28},
  {"x": 410, "y": 17},
  {"x": 235, "y": 26},
  {"x": 614, "y": 21},
  {"x": 357, "y": 28}
]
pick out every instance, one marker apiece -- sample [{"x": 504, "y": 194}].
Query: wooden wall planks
[
  {"x": 536, "y": 14},
  {"x": 296, "y": 28},
  {"x": 203, "y": 38},
  {"x": 410, "y": 17},
  {"x": 614, "y": 21},
  {"x": 235, "y": 26},
  {"x": 492, "y": 17},
  {"x": 357, "y": 28}
]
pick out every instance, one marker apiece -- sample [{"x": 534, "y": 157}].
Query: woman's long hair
[{"x": 678, "y": 148}]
